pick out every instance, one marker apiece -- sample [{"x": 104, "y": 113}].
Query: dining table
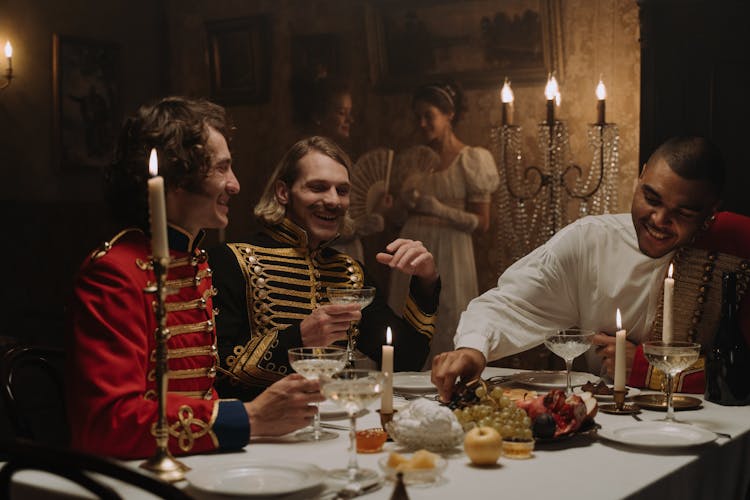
[{"x": 584, "y": 466}]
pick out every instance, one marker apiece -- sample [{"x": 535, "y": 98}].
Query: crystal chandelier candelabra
[{"x": 534, "y": 202}]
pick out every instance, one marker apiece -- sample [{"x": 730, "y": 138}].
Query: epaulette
[{"x": 106, "y": 246}]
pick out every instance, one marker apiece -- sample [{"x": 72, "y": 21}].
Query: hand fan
[
  {"x": 370, "y": 179},
  {"x": 418, "y": 160}
]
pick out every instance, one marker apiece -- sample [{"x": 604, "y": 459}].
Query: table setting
[{"x": 514, "y": 433}]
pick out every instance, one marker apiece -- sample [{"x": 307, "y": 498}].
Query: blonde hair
[{"x": 269, "y": 210}]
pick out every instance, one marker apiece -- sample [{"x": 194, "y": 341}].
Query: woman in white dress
[{"x": 446, "y": 205}]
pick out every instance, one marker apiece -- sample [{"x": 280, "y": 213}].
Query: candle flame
[
  {"x": 388, "y": 336},
  {"x": 506, "y": 94},
  {"x": 558, "y": 98},
  {"x": 619, "y": 319},
  {"x": 671, "y": 268},
  {"x": 552, "y": 90},
  {"x": 153, "y": 163},
  {"x": 8, "y": 49},
  {"x": 601, "y": 91}
]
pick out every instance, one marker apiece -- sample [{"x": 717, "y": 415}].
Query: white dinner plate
[
  {"x": 413, "y": 382},
  {"x": 551, "y": 379},
  {"x": 632, "y": 391},
  {"x": 256, "y": 478},
  {"x": 658, "y": 435}
]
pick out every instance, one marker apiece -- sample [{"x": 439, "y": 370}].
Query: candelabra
[
  {"x": 534, "y": 202},
  {"x": 162, "y": 463}
]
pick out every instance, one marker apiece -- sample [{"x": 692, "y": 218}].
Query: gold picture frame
[{"x": 474, "y": 42}]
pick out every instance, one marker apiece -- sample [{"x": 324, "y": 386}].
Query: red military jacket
[
  {"x": 730, "y": 234},
  {"x": 112, "y": 403}
]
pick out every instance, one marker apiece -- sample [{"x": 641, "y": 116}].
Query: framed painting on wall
[
  {"x": 86, "y": 101},
  {"x": 239, "y": 59},
  {"x": 474, "y": 42}
]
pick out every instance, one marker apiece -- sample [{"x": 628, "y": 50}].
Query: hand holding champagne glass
[
  {"x": 362, "y": 296},
  {"x": 312, "y": 363},
  {"x": 671, "y": 358}
]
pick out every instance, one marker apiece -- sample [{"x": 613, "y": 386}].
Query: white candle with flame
[
  {"x": 667, "y": 323},
  {"x": 506, "y": 96},
  {"x": 601, "y": 96},
  {"x": 386, "y": 401},
  {"x": 552, "y": 93},
  {"x": 157, "y": 210},
  {"x": 9, "y": 55},
  {"x": 620, "y": 354}
]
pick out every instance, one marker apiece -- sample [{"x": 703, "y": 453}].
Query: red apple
[{"x": 483, "y": 445}]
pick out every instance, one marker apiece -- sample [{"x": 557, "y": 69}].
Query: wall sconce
[{"x": 8, "y": 72}]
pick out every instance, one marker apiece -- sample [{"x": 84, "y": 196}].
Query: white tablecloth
[{"x": 580, "y": 468}]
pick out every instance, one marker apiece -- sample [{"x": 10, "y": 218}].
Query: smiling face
[
  {"x": 336, "y": 122},
  {"x": 432, "y": 122},
  {"x": 208, "y": 208},
  {"x": 318, "y": 198},
  {"x": 667, "y": 209}
]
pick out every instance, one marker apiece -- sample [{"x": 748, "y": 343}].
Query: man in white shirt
[{"x": 592, "y": 267}]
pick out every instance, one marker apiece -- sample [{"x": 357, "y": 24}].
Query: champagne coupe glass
[
  {"x": 671, "y": 358},
  {"x": 353, "y": 390},
  {"x": 311, "y": 363},
  {"x": 569, "y": 344},
  {"x": 362, "y": 296}
]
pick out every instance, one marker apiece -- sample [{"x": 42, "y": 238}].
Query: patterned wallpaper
[{"x": 598, "y": 37}]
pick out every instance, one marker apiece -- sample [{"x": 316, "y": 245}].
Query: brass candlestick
[
  {"x": 385, "y": 419},
  {"x": 162, "y": 463},
  {"x": 619, "y": 407}
]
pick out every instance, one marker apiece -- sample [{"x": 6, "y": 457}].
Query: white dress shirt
[{"x": 577, "y": 278}]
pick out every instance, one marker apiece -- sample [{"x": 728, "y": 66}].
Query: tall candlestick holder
[
  {"x": 162, "y": 463},
  {"x": 534, "y": 202}
]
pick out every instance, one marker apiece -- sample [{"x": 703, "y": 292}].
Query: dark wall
[
  {"x": 695, "y": 78},
  {"x": 52, "y": 216}
]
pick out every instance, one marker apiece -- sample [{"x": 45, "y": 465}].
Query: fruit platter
[{"x": 522, "y": 415}]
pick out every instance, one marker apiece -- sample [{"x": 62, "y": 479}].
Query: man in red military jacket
[{"x": 112, "y": 387}]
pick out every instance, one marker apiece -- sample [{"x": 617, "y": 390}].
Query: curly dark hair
[
  {"x": 448, "y": 97},
  {"x": 178, "y": 128}
]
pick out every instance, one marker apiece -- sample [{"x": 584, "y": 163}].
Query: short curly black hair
[{"x": 178, "y": 128}]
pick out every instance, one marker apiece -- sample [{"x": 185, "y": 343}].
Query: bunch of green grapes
[{"x": 497, "y": 411}]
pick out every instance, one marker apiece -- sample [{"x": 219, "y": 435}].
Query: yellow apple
[{"x": 483, "y": 445}]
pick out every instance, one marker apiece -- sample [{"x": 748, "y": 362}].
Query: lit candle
[
  {"x": 388, "y": 167},
  {"x": 601, "y": 95},
  {"x": 386, "y": 401},
  {"x": 552, "y": 93},
  {"x": 620, "y": 354},
  {"x": 157, "y": 209},
  {"x": 9, "y": 56},
  {"x": 667, "y": 323},
  {"x": 506, "y": 96}
]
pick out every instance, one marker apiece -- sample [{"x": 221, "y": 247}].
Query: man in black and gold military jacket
[{"x": 272, "y": 290}]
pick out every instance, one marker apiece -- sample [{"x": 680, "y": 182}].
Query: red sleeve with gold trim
[{"x": 111, "y": 391}]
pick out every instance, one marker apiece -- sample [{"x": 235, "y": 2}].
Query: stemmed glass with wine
[
  {"x": 671, "y": 358},
  {"x": 362, "y": 296},
  {"x": 569, "y": 344},
  {"x": 353, "y": 390},
  {"x": 312, "y": 363}
]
